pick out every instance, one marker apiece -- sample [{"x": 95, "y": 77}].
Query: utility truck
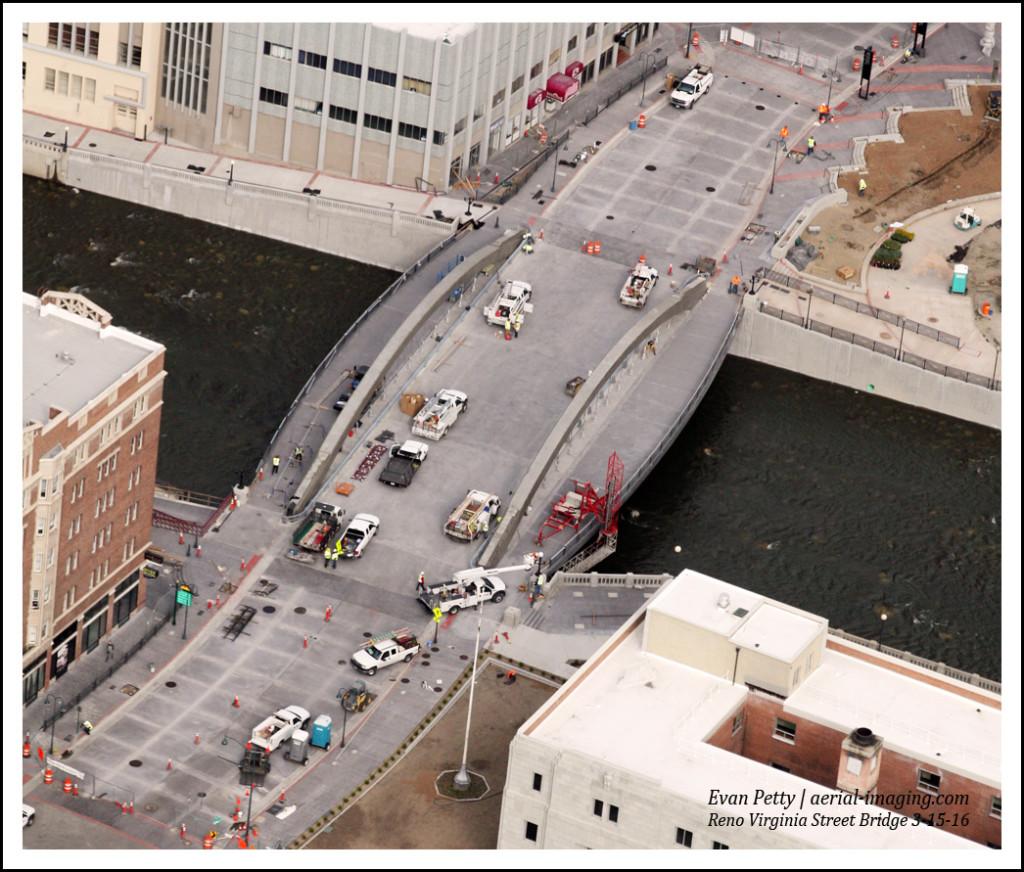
[
  {"x": 472, "y": 516},
  {"x": 471, "y": 587},
  {"x": 269, "y": 734},
  {"x": 403, "y": 461},
  {"x": 317, "y": 531},
  {"x": 694, "y": 85},
  {"x": 639, "y": 285},
  {"x": 398, "y": 645},
  {"x": 440, "y": 412},
  {"x": 513, "y": 299},
  {"x": 358, "y": 534}
]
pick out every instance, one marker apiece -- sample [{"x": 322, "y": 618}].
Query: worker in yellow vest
[
  {"x": 862, "y": 186},
  {"x": 810, "y": 145},
  {"x": 327, "y": 556}
]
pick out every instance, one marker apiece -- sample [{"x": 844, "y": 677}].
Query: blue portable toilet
[
  {"x": 959, "y": 284},
  {"x": 321, "y": 737}
]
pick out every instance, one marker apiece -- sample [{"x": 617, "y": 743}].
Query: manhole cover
[
  {"x": 779, "y": 96},
  {"x": 437, "y": 690},
  {"x": 759, "y": 107},
  {"x": 201, "y": 794},
  {"x": 367, "y": 635},
  {"x": 963, "y": 57},
  {"x": 796, "y": 102},
  {"x": 135, "y": 763},
  {"x": 662, "y": 91},
  {"x": 129, "y": 689},
  {"x": 540, "y": 202},
  {"x": 932, "y": 319},
  {"x": 405, "y": 681},
  {"x": 710, "y": 190},
  {"x": 300, "y": 610},
  {"x": 424, "y": 662},
  {"x": 650, "y": 168},
  {"x": 92, "y": 145},
  {"x": 760, "y": 89},
  {"x": 463, "y": 657},
  {"x": 743, "y": 83},
  {"x": 150, "y": 807},
  {"x": 170, "y": 684},
  {"x": 425, "y": 655},
  {"x": 610, "y": 217},
  {"x": 270, "y": 609},
  {"x": 434, "y": 648},
  {"x": 342, "y": 662}
]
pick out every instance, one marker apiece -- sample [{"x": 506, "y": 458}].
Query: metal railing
[
  {"x": 627, "y": 580},
  {"x": 184, "y": 495},
  {"x": 167, "y": 521},
  {"x": 931, "y": 665},
  {"x": 901, "y": 355},
  {"x": 779, "y": 278}
]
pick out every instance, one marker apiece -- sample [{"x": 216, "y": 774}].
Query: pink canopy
[{"x": 562, "y": 87}]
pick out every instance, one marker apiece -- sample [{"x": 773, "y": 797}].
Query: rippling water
[
  {"x": 245, "y": 319},
  {"x": 834, "y": 501}
]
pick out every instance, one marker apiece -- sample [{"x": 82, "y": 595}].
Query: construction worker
[
  {"x": 862, "y": 186},
  {"x": 528, "y": 243},
  {"x": 335, "y": 554},
  {"x": 734, "y": 284},
  {"x": 810, "y": 145},
  {"x": 517, "y": 325},
  {"x": 822, "y": 113},
  {"x": 298, "y": 454},
  {"x": 327, "y": 556},
  {"x": 784, "y": 135},
  {"x": 485, "y": 519},
  {"x": 421, "y": 583},
  {"x": 508, "y": 327},
  {"x": 275, "y": 464}
]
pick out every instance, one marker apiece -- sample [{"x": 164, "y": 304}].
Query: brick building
[
  {"x": 91, "y": 400},
  {"x": 717, "y": 718}
]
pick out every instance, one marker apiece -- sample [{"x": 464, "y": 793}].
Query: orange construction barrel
[
  {"x": 641, "y": 122},
  {"x": 597, "y": 247},
  {"x": 895, "y": 42},
  {"x": 67, "y": 785},
  {"x": 696, "y": 39},
  {"x": 856, "y": 63},
  {"x": 590, "y": 248},
  {"x": 48, "y": 776}
]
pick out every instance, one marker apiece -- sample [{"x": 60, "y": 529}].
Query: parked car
[
  {"x": 28, "y": 815},
  {"x": 358, "y": 535}
]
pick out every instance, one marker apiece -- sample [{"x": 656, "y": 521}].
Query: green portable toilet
[{"x": 959, "y": 285}]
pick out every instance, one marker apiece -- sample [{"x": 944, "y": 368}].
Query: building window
[
  {"x": 94, "y": 43},
  {"x": 314, "y": 107},
  {"x": 90, "y": 90},
  {"x": 94, "y": 632},
  {"x": 381, "y": 77},
  {"x": 537, "y": 779},
  {"x": 62, "y": 83},
  {"x": 312, "y": 59},
  {"x": 531, "y": 831},
  {"x": 411, "y": 131},
  {"x": 928, "y": 781},
  {"x": 51, "y": 79},
  {"x": 684, "y": 837},
  {"x": 517, "y": 84},
  {"x": 51, "y": 40},
  {"x": 276, "y": 50},
  {"x": 65, "y": 36},
  {"x": 598, "y": 808},
  {"x": 122, "y": 55},
  {"x": 997, "y": 807},
  {"x": 478, "y": 112},
  {"x": 440, "y": 137},
  {"x": 535, "y": 70},
  {"x": 591, "y": 28},
  {"x": 785, "y": 730},
  {"x": 613, "y": 813},
  {"x": 76, "y": 87},
  {"x": 606, "y": 59},
  {"x": 186, "y": 66},
  {"x": 719, "y": 846},
  {"x": 347, "y": 68},
  {"x": 417, "y": 85},
  {"x": 498, "y": 98},
  {"x": 554, "y": 56},
  {"x": 377, "y": 122},
  {"x": 275, "y": 98},
  {"x": 342, "y": 113},
  {"x": 571, "y": 44},
  {"x": 780, "y": 767},
  {"x": 80, "y": 39},
  {"x": 460, "y": 125}
]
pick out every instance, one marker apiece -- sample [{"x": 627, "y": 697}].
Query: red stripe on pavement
[
  {"x": 895, "y": 89},
  {"x": 865, "y": 116},
  {"x": 152, "y": 151},
  {"x": 800, "y": 174},
  {"x": 787, "y": 67},
  {"x": 914, "y": 69},
  {"x": 213, "y": 166},
  {"x": 426, "y": 203},
  {"x": 311, "y": 179},
  {"x": 78, "y": 141}
]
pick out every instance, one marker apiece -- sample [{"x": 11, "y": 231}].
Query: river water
[
  {"x": 245, "y": 319},
  {"x": 835, "y": 501}
]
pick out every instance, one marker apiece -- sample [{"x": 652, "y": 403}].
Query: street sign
[
  {"x": 184, "y": 595},
  {"x": 437, "y": 614}
]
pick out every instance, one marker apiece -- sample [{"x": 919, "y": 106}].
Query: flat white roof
[
  {"x": 698, "y": 599},
  {"x": 913, "y": 718},
  {"x": 69, "y": 360},
  {"x": 430, "y": 30},
  {"x": 665, "y": 710},
  {"x": 776, "y": 632}
]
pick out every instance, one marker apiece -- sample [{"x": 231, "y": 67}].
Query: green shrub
[{"x": 892, "y": 244}]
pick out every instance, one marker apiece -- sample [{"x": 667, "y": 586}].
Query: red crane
[{"x": 571, "y": 509}]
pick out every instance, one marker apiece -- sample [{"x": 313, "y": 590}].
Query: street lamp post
[
  {"x": 647, "y": 56},
  {"x": 883, "y": 617},
  {"x": 231, "y": 172},
  {"x": 65, "y": 139},
  {"x": 58, "y": 710},
  {"x": 775, "y": 160},
  {"x": 462, "y": 779},
  {"x": 689, "y": 38},
  {"x": 344, "y": 721},
  {"x": 248, "y": 814},
  {"x": 469, "y": 202}
]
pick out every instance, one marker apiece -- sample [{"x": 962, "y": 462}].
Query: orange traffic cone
[
  {"x": 670, "y": 269},
  {"x": 169, "y": 766},
  {"x": 181, "y": 537},
  {"x": 26, "y": 749},
  {"x": 305, "y": 641},
  {"x": 236, "y": 704},
  {"x": 241, "y": 564}
]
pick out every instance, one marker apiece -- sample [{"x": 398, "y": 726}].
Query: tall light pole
[
  {"x": 231, "y": 173},
  {"x": 65, "y": 139},
  {"x": 775, "y": 160},
  {"x": 58, "y": 710},
  {"x": 647, "y": 56},
  {"x": 462, "y": 779}
]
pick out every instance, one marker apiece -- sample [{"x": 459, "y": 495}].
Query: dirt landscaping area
[
  {"x": 944, "y": 156},
  {"x": 404, "y": 810}
]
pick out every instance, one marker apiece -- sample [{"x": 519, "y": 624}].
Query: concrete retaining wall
[
  {"x": 376, "y": 236},
  {"x": 770, "y": 340},
  {"x": 398, "y": 348}
]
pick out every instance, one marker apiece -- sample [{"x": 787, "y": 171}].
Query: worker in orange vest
[
  {"x": 823, "y": 113},
  {"x": 734, "y": 285}
]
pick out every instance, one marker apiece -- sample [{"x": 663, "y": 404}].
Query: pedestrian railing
[
  {"x": 924, "y": 663},
  {"x": 899, "y": 354},
  {"x": 928, "y": 332},
  {"x": 628, "y": 580},
  {"x": 184, "y": 495}
]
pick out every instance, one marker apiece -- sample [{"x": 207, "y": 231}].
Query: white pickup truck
[
  {"x": 638, "y": 286},
  {"x": 400, "y": 645},
  {"x": 513, "y": 299},
  {"x": 278, "y": 728},
  {"x": 473, "y": 515},
  {"x": 452, "y": 596},
  {"x": 694, "y": 86},
  {"x": 440, "y": 412}
]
